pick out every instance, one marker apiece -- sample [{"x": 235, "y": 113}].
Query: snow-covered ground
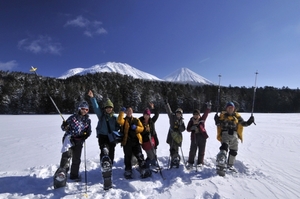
[{"x": 268, "y": 162}]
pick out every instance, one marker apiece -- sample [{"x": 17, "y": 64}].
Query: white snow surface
[
  {"x": 267, "y": 162},
  {"x": 121, "y": 68}
]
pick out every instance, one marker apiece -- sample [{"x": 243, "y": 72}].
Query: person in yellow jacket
[
  {"x": 132, "y": 128},
  {"x": 230, "y": 128}
]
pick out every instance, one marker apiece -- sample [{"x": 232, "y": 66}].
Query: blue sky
[{"x": 234, "y": 38}]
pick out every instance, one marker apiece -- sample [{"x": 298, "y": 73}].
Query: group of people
[{"x": 139, "y": 133}]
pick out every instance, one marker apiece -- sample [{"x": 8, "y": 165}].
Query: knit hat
[
  {"x": 83, "y": 104},
  {"x": 196, "y": 111},
  {"x": 230, "y": 104},
  {"x": 147, "y": 111},
  {"x": 108, "y": 103},
  {"x": 179, "y": 110}
]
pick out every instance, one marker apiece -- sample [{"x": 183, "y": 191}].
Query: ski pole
[
  {"x": 152, "y": 149},
  {"x": 254, "y": 92},
  {"x": 56, "y": 107},
  {"x": 218, "y": 105},
  {"x": 34, "y": 70},
  {"x": 85, "y": 173},
  {"x": 183, "y": 157}
]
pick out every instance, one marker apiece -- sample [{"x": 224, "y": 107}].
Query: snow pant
[
  {"x": 133, "y": 147},
  {"x": 174, "y": 147},
  {"x": 230, "y": 141},
  {"x": 104, "y": 142},
  {"x": 151, "y": 157},
  {"x": 151, "y": 154},
  {"x": 198, "y": 141},
  {"x": 74, "y": 152}
]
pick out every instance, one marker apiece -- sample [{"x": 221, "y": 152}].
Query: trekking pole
[
  {"x": 85, "y": 173},
  {"x": 152, "y": 149},
  {"x": 254, "y": 95},
  {"x": 183, "y": 157},
  {"x": 34, "y": 70},
  {"x": 56, "y": 107},
  {"x": 218, "y": 100}
]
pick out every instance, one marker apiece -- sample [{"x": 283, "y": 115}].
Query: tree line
[{"x": 26, "y": 93}]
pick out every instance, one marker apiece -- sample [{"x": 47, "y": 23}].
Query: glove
[
  {"x": 123, "y": 109},
  {"x": 216, "y": 119},
  {"x": 166, "y": 101},
  {"x": 193, "y": 128},
  {"x": 208, "y": 105},
  {"x": 133, "y": 127},
  {"x": 85, "y": 135},
  {"x": 250, "y": 120},
  {"x": 65, "y": 126}
]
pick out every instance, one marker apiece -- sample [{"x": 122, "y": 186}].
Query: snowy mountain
[
  {"x": 185, "y": 75},
  {"x": 120, "y": 68}
]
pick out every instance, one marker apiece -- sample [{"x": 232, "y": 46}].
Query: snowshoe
[
  {"x": 189, "y": 166},
  {"x": 128, "y": 174},
  {"x": 221, "y": 163},
  {"x": 232, "y": 169},
  {"x": 145, "y": 173},
  {"x": 175, "y": 162},
  {"x": 106, "y": 169},
  {"x": 60, "y": 178},
  {"x": 75, "y": 178}
]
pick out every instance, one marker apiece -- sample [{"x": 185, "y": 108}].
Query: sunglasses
[{"x": 84, "y": 109}]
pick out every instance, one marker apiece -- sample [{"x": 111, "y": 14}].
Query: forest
[{"x": 28, "y": 93}]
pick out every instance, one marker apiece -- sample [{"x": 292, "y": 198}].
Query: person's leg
[
  {"x": 193, "y": 150},
  {"x": 233, "y": 149},
  {"x": 76, "y": 159},
  {"x": 127, "y": 149},
  {"x": 201, "y": 149}
]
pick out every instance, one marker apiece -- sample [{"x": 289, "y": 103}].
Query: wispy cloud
[
  {"x": 42, "y": 44},
  {"x": 91, "y": 28},
  {"x": 8, "y": 65},
  {"x": 204, "y": 60}
]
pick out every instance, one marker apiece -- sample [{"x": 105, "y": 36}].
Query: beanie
[
  {"x": 83, "y": 104},
  {"x": 147, "y": 111},
  {"x": 196, "y": 111},
  {"x": 179, "y": 110},
  {"x": 230, "y": 104},
  {"x": 108, "y": 103}
]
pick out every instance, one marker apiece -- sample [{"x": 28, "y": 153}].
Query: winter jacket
[
  {"x": 104, "y": 119},
  {"x": 200, "y": 126},
  {"x": 145, "y": 134},
  {"x": 175, "y": 123},
  {"x": 231, "y": 123},
  {"x": 126, "y": 123},
  {"x": 79, "y": 126}
]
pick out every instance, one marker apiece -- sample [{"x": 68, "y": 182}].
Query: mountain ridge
[{"x": 183, "y": 75}]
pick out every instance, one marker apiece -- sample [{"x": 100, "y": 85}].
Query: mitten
[
  {"x": 133, "y": 127},
  {"x": 123, "y": 109},
  {"x": 85, "y": 135},
  {"x": 193, "y": 128},
  {"x": 208, "y": 105},
  {"x": 65, "y": 126},
  {"x": 250, "y": 120},
  {"x": 216, "y": 119}
]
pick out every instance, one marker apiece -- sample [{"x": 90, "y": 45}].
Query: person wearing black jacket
[
  {"x": 77, "y": 129},
  {"x": 150, "y": 140}
]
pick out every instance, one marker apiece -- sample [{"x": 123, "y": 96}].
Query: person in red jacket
[{"x": 199, "y": 135}]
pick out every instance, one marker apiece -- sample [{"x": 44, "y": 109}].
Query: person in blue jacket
[{"x": 107, "y": 123}]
